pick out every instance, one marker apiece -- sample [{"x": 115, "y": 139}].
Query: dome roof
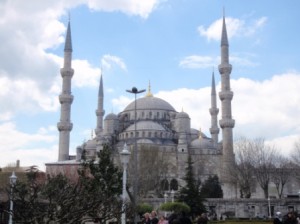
[
  {"x": 150, "y": 103},
  {"x": 111, "y": 116},
  {"x": 146, "y": 125},
  {"x": 90, "y": 144},
  {"x": 202, "y": 143},
  {"x": 182, "y": 115}
]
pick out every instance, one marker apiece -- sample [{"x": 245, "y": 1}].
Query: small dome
[
  {"x": 111, "y": 116},
  {"x": 202, "y": 143},
  {"x": 90, "y": 144},
  {"x": 182, "y": 115}
]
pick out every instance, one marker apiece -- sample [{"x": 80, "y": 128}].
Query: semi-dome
[
  {"x": 149, "y": 103},
  {"x": 146, "y": 125},
  {"x": 202, "y": 143},
  {"x": 111, "y": 116},
  {"x": 182, "y": 115}
]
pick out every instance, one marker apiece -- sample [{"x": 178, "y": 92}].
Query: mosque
[{"x": 158, "y": 126}]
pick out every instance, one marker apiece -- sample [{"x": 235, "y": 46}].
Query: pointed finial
[
  {"x": 223, "y": 11},
  {"x": 68, "y": 40},
  {"x": 92, "y": 134},
  {"x": 149, "y": 94},
  {"x": 200, "y": 135},
  {"x": 69, "y": 16},
  {"x": 224, "y": 38}
]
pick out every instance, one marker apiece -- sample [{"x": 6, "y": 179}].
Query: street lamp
[
  {"x": 135, "y": 91},
  {"x": 12, "y": 180},
  {"x": 172, "y": 195},
  {"x": 124, "y": 156},
  {"x": 269, "y": 207},
  {"x": 165, "y": 196}
]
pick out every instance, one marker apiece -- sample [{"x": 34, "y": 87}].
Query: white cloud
[
  {"x": 235, "y": 27},
  {"x": 108, "y": 61},
  {"x": 29, "y": 75},
  {"x": 130, "y": 7},
  {"x": 85, "y": 74},
  {"x": 16, "y": 145},
  {"x": 197, "y": 61}
]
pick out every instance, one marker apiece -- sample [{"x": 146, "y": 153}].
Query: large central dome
[{"x": 149, "y": 103}]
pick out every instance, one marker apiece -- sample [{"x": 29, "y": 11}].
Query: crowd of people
[
  {"x": 289, "y": 218},
  {"x": 182, "y": 218}
]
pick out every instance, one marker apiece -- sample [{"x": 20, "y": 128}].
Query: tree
[
  {"x": 153, "y": 168},
  {"x": 211, "y": 188},
  {"x": 94, "y": 197},
  {"x": 190, "y": 193},
  {"x": 243, "y": 170},
  {"x": 263, "y": 162},
  {"x": 282, "y": 173}
]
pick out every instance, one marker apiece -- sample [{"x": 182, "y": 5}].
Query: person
[
  {"x": 146, "y": 219},
  {"x": 202, "y": 219},
  {"x": 173, "y": 218},
  {"x": 290, "y": 219},
  {"x": 154, "y": 219},
  {"x": 277, "y": 219},
  {"x": 184, "y": 219},
  {"x": 162, "y": 220}
]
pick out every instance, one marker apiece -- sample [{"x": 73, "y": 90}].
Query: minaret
[
  {"x": 226, "y": 95},
  {"x": 100, "y": 111},
  {"x": 214, "y": 130},
  {"x": 66, "y": 98}
]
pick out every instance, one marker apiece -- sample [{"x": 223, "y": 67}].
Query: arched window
[
  {"x": 164, "y": 185},
  {"x": 174, "y": 185}
]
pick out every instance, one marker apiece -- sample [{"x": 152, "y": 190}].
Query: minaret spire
[
  {"x": 226, "y": 95},
  {"x": 66, "y": 98},
  {"x": 214, "y": 130},
  {"x": 100, "y": 110}
]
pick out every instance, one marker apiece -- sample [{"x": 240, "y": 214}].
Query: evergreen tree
[
  {"x": 94, "y": 197},
  {"x": 190, "y": 193},
  {"x": 211, "y": 188}
]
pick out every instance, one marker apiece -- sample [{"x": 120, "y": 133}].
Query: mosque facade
[{"x": 157, "y": 126}]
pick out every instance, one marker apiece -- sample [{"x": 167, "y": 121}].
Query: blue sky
[{"x": 173, "y": 44}]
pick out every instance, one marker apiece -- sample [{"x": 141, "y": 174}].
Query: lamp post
[
  {"x": 269, "y": 205},
  {"x": 12, "y": 180},
  {"x": 135, "y": 91},
  {"x": 165, "y": 196},
  {"x": 172, "y": 195},
  {"x": 124, "y": 156}
]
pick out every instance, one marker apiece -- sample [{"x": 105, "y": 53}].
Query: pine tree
[
  {"x": 211, "y": 188},
  {"x": 190, "y": 193}
]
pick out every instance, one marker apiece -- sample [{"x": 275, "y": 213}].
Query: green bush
[
  {"x": 143, "y": 208},
  {"x": 176, "y": 207}
]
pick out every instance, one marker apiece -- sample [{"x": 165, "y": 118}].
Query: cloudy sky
[{"x": 174, "y": 44}]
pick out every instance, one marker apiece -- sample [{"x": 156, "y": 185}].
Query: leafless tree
[
  {"x": 282, "y": 173},
  {"x": 243, "y": 170},
  {"x": 263, "y": 158},
  {"x": 153, "y": 169}
]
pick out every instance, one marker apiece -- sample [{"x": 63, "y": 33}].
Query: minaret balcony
[
  {"x": 214, "y": 111},
  {"x": 225, "y": 68},
  {"x": 67, "y": 72},
  {"x": 100, "y": 112},
  {"x": 64, "y": 126},
  {"x": 65, "y": 98},
  {"x": 214, "y": 130},
  {"x": 226, "y": 95},
  {"x": 227, "y": 123}
]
